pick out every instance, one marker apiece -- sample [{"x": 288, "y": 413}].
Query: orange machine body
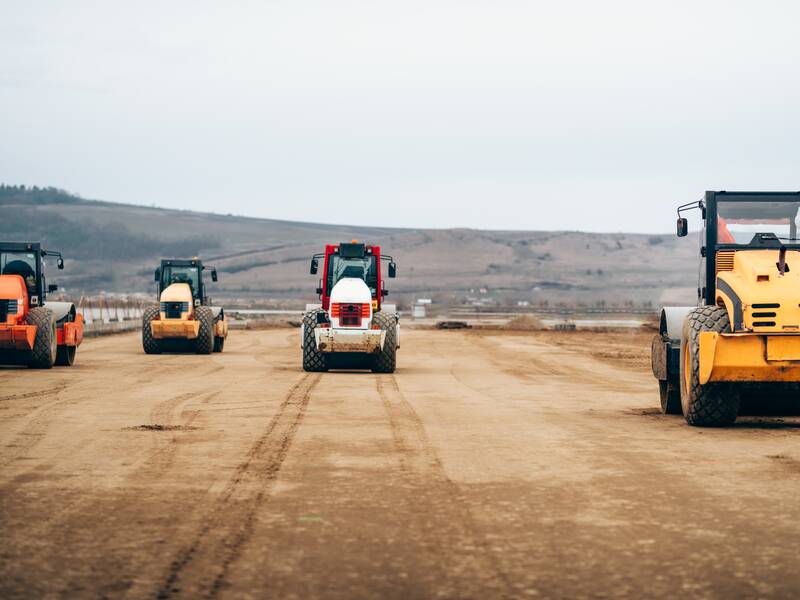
[
  {"x": 14, "y": 332},
  {"x": 71, "y": 334}
]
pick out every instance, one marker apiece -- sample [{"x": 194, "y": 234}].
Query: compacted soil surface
[{"x": 490, "y": 465}]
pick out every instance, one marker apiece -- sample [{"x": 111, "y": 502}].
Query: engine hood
[
  {"x": 12, "y": 287},
  {"x": 177, "y": 292},
  {"x": 757, "y": 296},
  {"x": 351, "y": 290}
]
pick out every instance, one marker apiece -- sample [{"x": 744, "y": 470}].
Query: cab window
[
  {"x": 177, "y": 274},
  {"x": 359, "y": 268},
  {"x": 22, "y": 264}
]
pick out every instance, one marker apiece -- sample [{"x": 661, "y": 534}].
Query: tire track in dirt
[
  {"x": 551, "y": 361},
  {"x": 154, "y": 466},
  {"x": 530, "y": 366},
  {"x": 164, "y": 366},
  {"x": 576, "y": 431},
  {"x": 38, "y": 420},
  {"x": 35, "y": 394},
  {"x": 164, "y": 447},
  {"x": 162, "y": 413},
  {"x": 596, "y": 441},
  {"x": 269, "y": 359},
  {"x": 66, "y": 524},
  {"x": 416, "y": 453},
  {"x": 229, "y": 523},
  {"x": 457, "y": 536}
]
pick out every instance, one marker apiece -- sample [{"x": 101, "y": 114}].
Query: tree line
[{"x": 81, "y": 239}]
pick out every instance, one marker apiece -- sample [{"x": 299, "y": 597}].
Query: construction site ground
[{"x": 492, "y": 464}]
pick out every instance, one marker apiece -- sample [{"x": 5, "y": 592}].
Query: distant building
[{"x": 418, "y": 311}]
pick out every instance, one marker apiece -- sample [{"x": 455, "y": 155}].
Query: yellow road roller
[
  {"x": 184, "y": 319},
  {"x": 744, "y": 334}
]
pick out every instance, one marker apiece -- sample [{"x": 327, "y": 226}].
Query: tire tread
[
  {"x": 386, "y": 361},
  {"x": 44, "y": 352},
  {"x": 713, "y": 404},
  {"x": 150, "y": 344},
  {"x": 204, "y": 344},
  {"x": 314, "y": 361}
]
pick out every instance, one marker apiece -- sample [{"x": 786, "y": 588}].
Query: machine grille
[
  {"x": 173, "y": 310},
  {"x": 350, "y": 315},
  {"x": 725, "y": 260},
  {"x": 8, "y": 307}
]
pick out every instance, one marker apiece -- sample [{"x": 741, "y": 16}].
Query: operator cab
[
  {"x": 741, "y": 221},
  {"x": 756, "y": 224},
  {"x": 353, "y": 260},
  {"x": 25, "y": 260},
  {"x": 187, "y": 275},
  {"x": 189, "y": 272},
  {"x": 22, "y": 264}
]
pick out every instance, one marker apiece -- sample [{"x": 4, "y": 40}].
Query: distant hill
[{"x": 115, "y": 247}]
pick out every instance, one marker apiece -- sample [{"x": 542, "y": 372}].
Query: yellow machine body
[
  {"x": 221, "y": 328},
  {"x": 764, "y": 310},
  {"x": 184, "y": 326}
]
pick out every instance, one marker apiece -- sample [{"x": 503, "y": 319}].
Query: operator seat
[
  {"x": 24, "y": 270},
  {"x": 353, "y": 271}
]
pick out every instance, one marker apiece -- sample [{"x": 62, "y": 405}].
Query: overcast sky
[{"x": 600, "y": 116}]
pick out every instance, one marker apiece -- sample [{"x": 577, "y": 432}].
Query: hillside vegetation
[{"x": 115, "y": 247}]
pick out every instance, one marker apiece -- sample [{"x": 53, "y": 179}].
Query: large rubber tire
[
  {"x": 386, "y": 361},
  {"x": 150, "y": 344},
  {"x": 712, "y": 404},
  {"x": 45, "y": 345},
  {"x": 314, "y": 361},
  {"x": 204, "y": 343},
  {"x": 670, "y": 398},
  {"x": 219, "y": 344}
]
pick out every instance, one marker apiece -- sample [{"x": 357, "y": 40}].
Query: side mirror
[
  {"x": 314, "y": 266},
  {"x": 392, "y": 270},
  {"x": 60, "y": 263},
  {"x": 52, "y": 287},
  {"x": 683, "y": 227},
  {"x": 214, "y": 275},
  {"x": 157, "y": 276}
]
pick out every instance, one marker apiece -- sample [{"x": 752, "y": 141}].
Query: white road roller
[{"x": 352, "y": 327}]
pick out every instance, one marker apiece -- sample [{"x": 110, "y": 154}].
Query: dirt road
[{"x": 490, "y": 465}]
